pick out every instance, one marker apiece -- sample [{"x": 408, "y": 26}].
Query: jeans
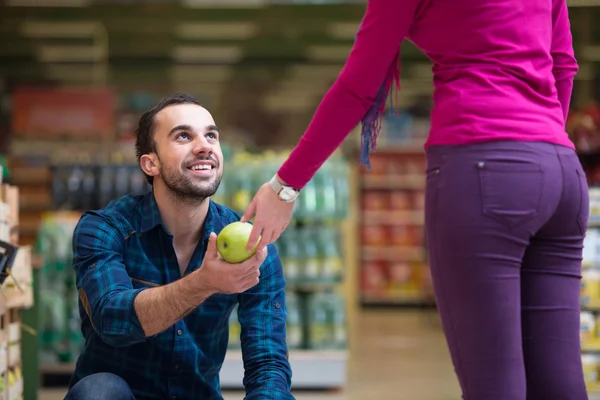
[
  {"x": 101, "y": 386},
  {"x": 505, "y": 228}
]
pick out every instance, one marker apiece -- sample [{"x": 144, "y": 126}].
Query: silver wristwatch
[{"x": 285, "y": 193}]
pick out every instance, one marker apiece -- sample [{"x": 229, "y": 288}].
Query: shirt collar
[{"x": 151, "y": 216}]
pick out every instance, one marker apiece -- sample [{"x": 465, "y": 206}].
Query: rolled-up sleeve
[
  {"x": 262, "y": 315},
  {"x": 105, "y": 288}
]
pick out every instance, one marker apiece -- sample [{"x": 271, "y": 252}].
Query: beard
[{"x": 186, "y": 188}]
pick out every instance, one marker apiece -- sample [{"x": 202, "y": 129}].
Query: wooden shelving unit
[
  {"x": 17, "y": 294},
  {"x": 394, "y": 270}
]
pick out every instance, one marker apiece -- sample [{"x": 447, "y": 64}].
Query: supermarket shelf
[
  {"x": 593, "y": 387},
  {"x": 393, "y": 217},
  {"x": 390, "y": 300},
  {"x": 57, "y": 368},
  {"x": 592, "y": 346},
  {"x": 312, "y": 369},
  {"x": 592, "y": 305},
  {"x": 14, "y": 298},
  {"x": 394, "y": 253},
  {"x": 313, "y": 285},
  {"x": 394, "y": 182}
]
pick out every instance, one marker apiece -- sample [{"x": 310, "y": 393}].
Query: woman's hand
[{"x": 272, "y": 216}]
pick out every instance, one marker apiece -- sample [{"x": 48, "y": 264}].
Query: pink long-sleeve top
[{"x": 503, "y": 70}]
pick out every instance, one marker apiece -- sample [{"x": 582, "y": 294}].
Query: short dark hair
[{"x": 144, "y": 142}]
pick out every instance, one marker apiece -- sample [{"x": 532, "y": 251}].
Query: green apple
[{"x": 232, "y": 242}]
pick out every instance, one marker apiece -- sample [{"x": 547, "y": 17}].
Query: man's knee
[{"x": 100, "y": 386}]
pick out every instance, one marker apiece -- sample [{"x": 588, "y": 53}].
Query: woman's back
[
  {"x": 503, "y": 70},
  {"x": 494, "y": 68}
]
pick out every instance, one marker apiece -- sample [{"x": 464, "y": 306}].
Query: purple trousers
[{"x": 505, "y": 226}]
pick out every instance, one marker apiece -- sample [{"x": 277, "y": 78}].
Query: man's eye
[
  {"x": 183, "y": 135},
  {"x": 211, "y": 135}
]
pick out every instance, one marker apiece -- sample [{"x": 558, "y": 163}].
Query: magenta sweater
[{"x": 503, "y": 70}]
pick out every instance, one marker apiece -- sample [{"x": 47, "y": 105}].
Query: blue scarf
[{"x": 372, "y": 121}]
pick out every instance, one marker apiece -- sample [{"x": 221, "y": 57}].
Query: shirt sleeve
[
  {"x": 384, "y": 26},
  {"x": 105, "y": 288},
  {"x": 262, "y": 315},
  {"x": 563, "y": 57}
]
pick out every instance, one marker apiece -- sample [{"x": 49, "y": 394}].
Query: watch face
[{"x": 287, "y": 194}]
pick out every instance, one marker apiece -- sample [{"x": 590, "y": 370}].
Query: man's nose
[{"x": 201, "y": 145}]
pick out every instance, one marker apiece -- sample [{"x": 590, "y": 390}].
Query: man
[{"x": 155, "y": 297}]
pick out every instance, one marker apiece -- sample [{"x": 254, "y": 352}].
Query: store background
[{"x": 75, "y": 76}]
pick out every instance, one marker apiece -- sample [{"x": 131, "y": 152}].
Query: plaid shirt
[{"x": 124, "y": 249}]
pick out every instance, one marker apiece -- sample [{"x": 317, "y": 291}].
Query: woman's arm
[
  {"x": 359, "y": 93},
  {"x": 565, "y": 65},
  {"x": 372, "y": 63}
]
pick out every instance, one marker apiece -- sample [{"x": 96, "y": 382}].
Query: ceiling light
[
  {"x": 334, "y": 53},
  {"x": 215, "y": 30},
  {"x": 343, "y": 30},
  {"x": 223, "y": 3},
  {"x": 48, "y": 3},
  {"x": 72, "y": 53},
  {"x": 222, "y": 54},
  {"x": 199, "y": 74},
  {"x": 39, "y": 29}
]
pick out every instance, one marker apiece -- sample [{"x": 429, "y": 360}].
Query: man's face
[{"x": 189, "y": 159}]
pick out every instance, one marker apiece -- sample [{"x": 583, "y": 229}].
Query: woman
[{"x": 506, "y": 197}]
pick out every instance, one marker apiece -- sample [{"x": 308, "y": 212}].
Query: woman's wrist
[{"x": 280, "y": 180}]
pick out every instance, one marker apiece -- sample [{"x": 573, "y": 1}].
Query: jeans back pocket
[{"x": 511, "y": 191}]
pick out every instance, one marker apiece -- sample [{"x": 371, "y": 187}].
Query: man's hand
[{"x": 219, "y": 276}]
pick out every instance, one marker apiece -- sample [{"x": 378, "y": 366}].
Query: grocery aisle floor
[{"x": 396, "y": 355}]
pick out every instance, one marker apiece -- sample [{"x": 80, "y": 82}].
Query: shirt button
[
  {"x": 179, "y": 332},
  {"x": 177, "y": 366},
  {"x": 277, "y": 305}
]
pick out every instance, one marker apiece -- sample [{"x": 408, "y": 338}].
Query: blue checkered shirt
[{"x": 123, "y": 249}]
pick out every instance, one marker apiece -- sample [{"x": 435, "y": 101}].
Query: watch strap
[{"x": 275, "y": 184}]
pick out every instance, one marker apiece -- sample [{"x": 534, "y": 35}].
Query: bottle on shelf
[{"x": 294, "y": 334}]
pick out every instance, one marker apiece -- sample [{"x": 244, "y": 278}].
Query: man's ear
[{"x": 149, "y": 164}]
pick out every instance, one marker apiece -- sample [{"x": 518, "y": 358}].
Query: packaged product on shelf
[
  {"x": 416, "y": 235},
  {"x": 324, "y": 195},
  {"x": 596, "y": 334},
  {"x": 290, "y": 254},
  {"x": 318, "y": 326},
  {"x": 591, "y": 248},
  {"x": 234, "y": 329},
  {"x": 587, "y": 327},
  {"x": 374, "y": 277},
  {"x": 418, "y": 201},
  {"x": 400, "y": 235},
  {"x": 594, "y": 194},
  {"x": 375, "y": 200},
  {"x": 400, "y": 275},
  {"x": 307, "y": 201},
  {"x": 60, "y": 339},
  {"x": 590, "y": 287},
  {"x": 310, "y": 254},
  {"x": 375, "y": 235},
  {"x": 329, "y": 253},
  {"x": 591, "y": 363},
  {"x": 294, "y": 322},
  {"x": 379, "y": 164},
  {"x": 243, "y": 189},
  {"x": 400, "y": 200},
  {"x": 337, "y": 309}
]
